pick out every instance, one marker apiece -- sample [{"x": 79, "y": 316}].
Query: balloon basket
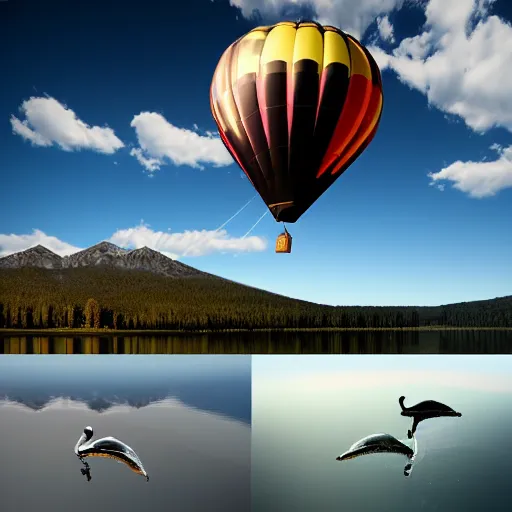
[{"x": 284, "y": 243}]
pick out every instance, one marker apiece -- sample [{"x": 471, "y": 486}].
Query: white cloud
[
  {"x": 150, "y": 164},
  {"x": 160, "y": 141},
  {"x": 48, "y": 122},
  {"x": 15, "y": 243},
  {"x": 173, "y": 245},
  {"x": 385, "y": 29},
  {"x": 462, "y": 62},
  {"x": 381, "y": 57},
  {"x": 352, "y": 16},
  {"x": 479, "y": 179},
  {"x": 463, "y": 70},
  {"x": 188, "y": 243}
]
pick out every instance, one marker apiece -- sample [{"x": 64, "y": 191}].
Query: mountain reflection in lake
[
  {"x": 307, "y": 410},
  {"x": 187, "y": 417},
  {"x": 277, "y": 342}
]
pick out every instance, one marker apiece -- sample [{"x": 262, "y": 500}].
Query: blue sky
[{"x": 106, "y": 134}]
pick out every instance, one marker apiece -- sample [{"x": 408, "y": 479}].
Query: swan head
[
  {"x": 83, "y": 439},
  {"x": 88, "y": 432}
]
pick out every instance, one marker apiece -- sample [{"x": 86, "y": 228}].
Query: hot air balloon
[{"x": 295, "y": 104}]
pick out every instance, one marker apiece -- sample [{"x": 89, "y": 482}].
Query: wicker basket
[{"x": 284, "y": 243}]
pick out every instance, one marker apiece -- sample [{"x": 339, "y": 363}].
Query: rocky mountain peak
[
  {"x": 145, "y": 250},
  {"x": 105, "y": 246},
  {"x": 37, "y": 256},
  {"x": 102, "y": 254},
  {"x": 38, "y": 247}
]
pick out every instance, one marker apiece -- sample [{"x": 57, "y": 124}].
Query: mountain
[
  {"x": 106, "y": 286},
  {"x": 37, "y": 256},
  {"x": 154, "y": 261},
  {"x": 104, "y": 254}
]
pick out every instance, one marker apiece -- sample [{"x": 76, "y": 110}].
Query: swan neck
[{"x": 79, "y": 443}]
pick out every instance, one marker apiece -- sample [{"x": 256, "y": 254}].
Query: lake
[
  {"x": 188, "y": 418},
  {"x": 288, "y": 342},
  {"x": 307, "y": 410}
]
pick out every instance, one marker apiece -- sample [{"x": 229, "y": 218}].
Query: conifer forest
[{"x": 34, "y": 298}]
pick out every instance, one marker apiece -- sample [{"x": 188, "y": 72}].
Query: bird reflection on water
[{"x": 107, "y": 447}]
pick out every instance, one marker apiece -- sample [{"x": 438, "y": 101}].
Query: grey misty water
[
  {"x": 188, "y": 419},
  {"x": 309, "y": 410}
]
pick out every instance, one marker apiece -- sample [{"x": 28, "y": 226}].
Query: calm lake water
[
  {"x": 307, "y": 410},
  {"x": 344, "y": 342},
  {"x": 188, "y": 418}
]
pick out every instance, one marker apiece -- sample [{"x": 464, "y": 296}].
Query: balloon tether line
[
  {"x": 255, "y": 224},
  {"x": 225, "y": 223},
  {"x": 233, "y": 216}
]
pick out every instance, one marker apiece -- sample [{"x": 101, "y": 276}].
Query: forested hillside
[{"x": 131, "y": 299}]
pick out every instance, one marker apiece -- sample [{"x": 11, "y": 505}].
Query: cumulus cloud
[
  {"x": 353, "y": 16},
  {"x": 174, "y": 245},
  {"x": 161, "y": 142},
  {"x": 461, "y": 61},
  {"x": 188, "y": 243},
  {"x": 150, "y": 164},
  {"x": 478, "y": 179},
  {"x": 385, "y": 29},
  {"x": 15, "y": 243},
  {"x": 48, "y": 122}
]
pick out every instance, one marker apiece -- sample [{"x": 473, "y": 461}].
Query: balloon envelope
[{"x": 295, "y": 105}]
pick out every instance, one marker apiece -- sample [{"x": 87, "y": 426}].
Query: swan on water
[
  {"x": 381, "y": 443},
  {"x": 107, "y": 447}
]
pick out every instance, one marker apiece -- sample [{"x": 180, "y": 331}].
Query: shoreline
[{"x": 151, "y": 332}]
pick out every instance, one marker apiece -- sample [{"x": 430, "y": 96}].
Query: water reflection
[
  {"x": 196, "y": 456},
  {"x": 219, "y": 384},
  {"x": 305, "y": 342}
]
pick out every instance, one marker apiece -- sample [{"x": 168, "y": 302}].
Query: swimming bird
[
  {"x": 381, "y": 443},
  {"x": 107, "y": 447},
  {"x": 424, "y": 411}
]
